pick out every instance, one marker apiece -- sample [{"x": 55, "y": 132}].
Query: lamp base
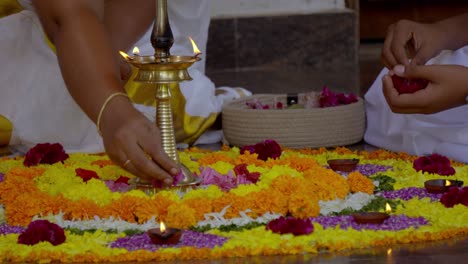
[{"x": 188, "y": 180}]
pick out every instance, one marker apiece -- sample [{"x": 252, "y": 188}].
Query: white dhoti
[{"x": 445, "y": 133}]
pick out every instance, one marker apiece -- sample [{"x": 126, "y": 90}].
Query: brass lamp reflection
[{"x": 162, "y": 69}]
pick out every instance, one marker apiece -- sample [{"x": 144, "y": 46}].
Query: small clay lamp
[
  {"x": 164, "y": 236},
  {"x": 441, "y": 186},
  {"x": 375, "y": 218},
  {"x": 345, "y": 165}
]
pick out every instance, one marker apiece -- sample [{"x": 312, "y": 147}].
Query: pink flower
[
  {"x": 119, "y": 185},
  {"x": 211, "y": 177},
  {"x": 285, "y": 225},
  {"x": 434, "y": 163},
  {"x": 86, "y": 175},
  {"x": 328, "y": 98},
  {"x": 45, "y": 154},
  {"x": 266, "y": 149},
  {"x": 42, "y": 230}
]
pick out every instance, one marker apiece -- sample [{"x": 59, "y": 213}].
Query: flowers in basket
[{"x": 325, "y": 98}]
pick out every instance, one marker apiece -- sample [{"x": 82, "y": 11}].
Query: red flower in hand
[
  {"x": 285, "y": 225},
  {"x": 45, "y": 154},
  {"x": 434, "y": 163},
  {"x": 86, "y": 175},
  {"x": 404, "y": 85},
  {"x": 266, "y": 149},
  {"x": 42, "y": 230}
]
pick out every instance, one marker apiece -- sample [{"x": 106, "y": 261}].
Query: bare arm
[
  {"x": 83, "y": 49},
  {"x": 85, "y": 39},
  {"x": 127, "y": 21},
  {"x": 456, "y": 28}
]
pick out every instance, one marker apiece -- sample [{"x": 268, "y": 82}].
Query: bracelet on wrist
[{"x": 103, "y": 107}]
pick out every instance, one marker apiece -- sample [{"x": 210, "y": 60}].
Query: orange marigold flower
[
  {"x": 301, "y": 164},
  {"x": 286, "y": 184},
  {"x": 155, "y": 207},
  {"x": 300, "y": 206},
  {"x": 103, "y": 163},
  {"x": 202, "y": 206},
  {"x": 212, "y": 158},
  {"x": 331, "y": 185},
  {"x": 272, "y": 201},
  {"x": 360, "y": 183},
  {"x": 124, "y": 207},
  {"x": 251, "y": 159}
]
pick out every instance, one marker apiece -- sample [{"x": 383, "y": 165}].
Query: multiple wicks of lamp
[{"x": 163, "y": 69}]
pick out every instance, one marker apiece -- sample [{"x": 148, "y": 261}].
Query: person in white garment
[
  {"x": 431, "y": 120},
  {"x": 61, "y": 80}
]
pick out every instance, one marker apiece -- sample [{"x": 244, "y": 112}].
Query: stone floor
[{"x": 454, "y": 251}]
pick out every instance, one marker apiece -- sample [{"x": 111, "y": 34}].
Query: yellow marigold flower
[
  {"x": 360, "y": 183},
  {"x": 222, "y": 167}
]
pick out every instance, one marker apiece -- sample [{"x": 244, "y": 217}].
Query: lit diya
[
  {"x": 441, "y": 186},
  {"x": 345, "y": 165},
  {"x": 373, "y": 217},
  {"x": 164, "y": 236}
]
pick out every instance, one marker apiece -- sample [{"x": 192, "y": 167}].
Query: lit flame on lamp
[
  {"x": 388, "y": 208},
  {"x": 162, "y": 227},
  {"x": 447, "y": 183},
  {"x": 136, "y": 51},
  {"x": 389, "y": 252},
  {"x": 195, "y": 48},
  {"x": 125, "y": 55}
]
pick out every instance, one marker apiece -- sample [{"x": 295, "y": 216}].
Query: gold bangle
[{"x": 103, "y": 107}]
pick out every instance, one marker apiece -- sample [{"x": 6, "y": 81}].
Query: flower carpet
[{"x": 258, "y": 200}]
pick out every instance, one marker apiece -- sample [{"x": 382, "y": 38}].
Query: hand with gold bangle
[
  {"x": 130, "y": 138},
  {"x": 87, "y": 36}
]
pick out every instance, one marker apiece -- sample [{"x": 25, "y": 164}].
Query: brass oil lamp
[{"x": 163, "y": 69}]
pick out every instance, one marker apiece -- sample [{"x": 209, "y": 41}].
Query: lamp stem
[
  {"x": 164, "y": 120},
  {"x": 162, "y": 38}
]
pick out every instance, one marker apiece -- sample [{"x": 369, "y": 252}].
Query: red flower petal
[
  {"x": 86, "y": 175},
  {"x": 122, "y": 179},
  {"x": 45, "y": 153},
  {"x": 434, "y": 163},
  {"x": 266, "y": 149},
  {"x": 42, "y": 230},
  {"x": 403, "y": 85},
  {"x": 285, "y": 225}
]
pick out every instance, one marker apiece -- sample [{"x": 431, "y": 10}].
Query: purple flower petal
[
  {"x": 189, "y": 239},
  {"x": 7, "y": 229},
  {"x": 410, "y": 193},
  {"x": 394, "y": 223}
]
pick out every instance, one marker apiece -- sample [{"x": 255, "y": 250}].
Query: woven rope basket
[{"x": 293, "y": 128}]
